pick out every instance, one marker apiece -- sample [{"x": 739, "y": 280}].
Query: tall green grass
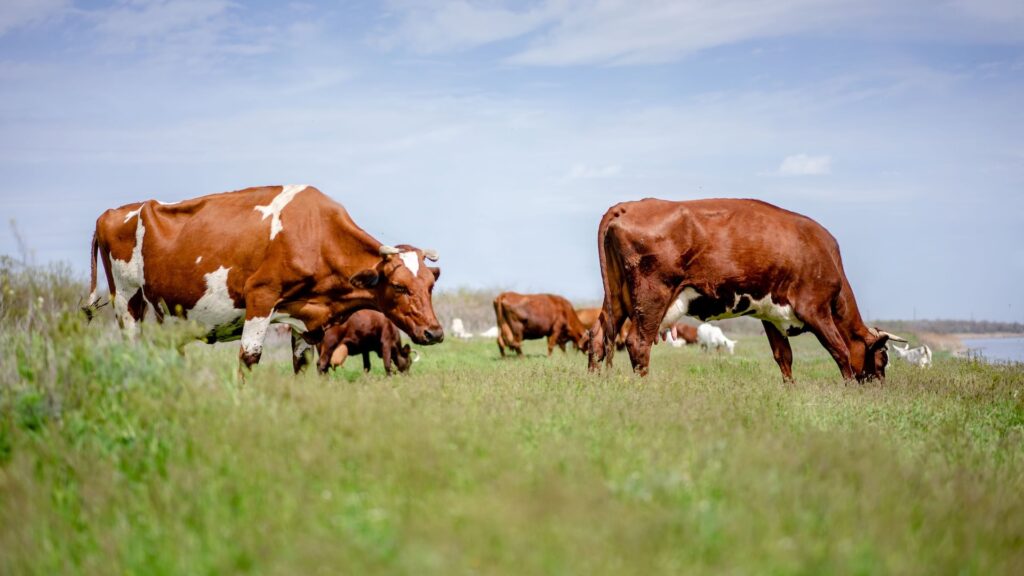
[{"x": 128, "y": 457}]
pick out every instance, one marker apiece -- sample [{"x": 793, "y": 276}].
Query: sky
[{"x": 498, "y": 133}]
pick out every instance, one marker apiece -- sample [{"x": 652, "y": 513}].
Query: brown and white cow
[
  {"x": 531, "y": 316},
  {"x": 236, "y": 262},
  {"x": 722, "y": 258},
  {"x": 363, "y": 332}
]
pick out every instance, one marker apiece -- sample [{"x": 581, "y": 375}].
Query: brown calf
[{"x": 364, "y": 332}]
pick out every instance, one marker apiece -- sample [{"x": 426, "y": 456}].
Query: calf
[
  {"x": 363, "y": 332},
  {"x": 712, "y": 337},
  {"x": 679, "y": 335},
  {"x": 920, "y": 356}
]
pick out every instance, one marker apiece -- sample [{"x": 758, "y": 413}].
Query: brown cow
[
  {"x": 238, "y": 261},
  {"x": 531, "y": 316},
  {"x": 364, "y": 332},
  {"x": 723, "y": 258}
]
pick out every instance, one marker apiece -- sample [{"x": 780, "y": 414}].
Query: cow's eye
[{"x": 400, "y": 289}]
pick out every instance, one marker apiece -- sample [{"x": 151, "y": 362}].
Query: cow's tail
[
  {"x": 611, "y": 316},
  {"x": 504, "y": 331},
  {"x": 92, "y": 305}
]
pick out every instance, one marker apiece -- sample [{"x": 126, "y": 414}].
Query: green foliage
[{"x": 128, "y": 457}]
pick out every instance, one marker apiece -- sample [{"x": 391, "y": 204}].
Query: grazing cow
[
  {"x": 531, "y": 316},
  {"x": 238, "y": 261},
  {"x": 722, "y": 258},
  {"x": 459, "y": 329},
  {"x": 920, "y": 356},
  {"x": 712, "y": 337},
  {"x": 363, "y": 332}
]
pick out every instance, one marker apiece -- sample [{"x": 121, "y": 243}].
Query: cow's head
[
  {"x": 402, "y": 284},
  {"x": 869, "y": 357}
]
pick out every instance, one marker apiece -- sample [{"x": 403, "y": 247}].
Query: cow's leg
[
  {"x": 646, "y": 321},
  {"x": 552, "y": 342},
  {"x": 366, "y": 361},
  {"x": 386, "y": 358},
  {"x": 501, "y": 344},
  {"x": 259, "y": 307},
  {"x": 302, "y": 352},
  {"x": 780, "y": 349},
  {"x": 824, "y": 328}
]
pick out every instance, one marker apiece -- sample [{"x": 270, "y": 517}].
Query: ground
[{"x": 132, "y": 458}]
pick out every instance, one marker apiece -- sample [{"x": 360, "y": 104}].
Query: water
[{"x": 997, "y": 349}]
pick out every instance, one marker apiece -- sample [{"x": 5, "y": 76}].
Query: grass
[{"x": 123, "y": 457}]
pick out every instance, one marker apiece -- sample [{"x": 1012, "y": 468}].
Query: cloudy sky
[{"x": 499, "y": 133}]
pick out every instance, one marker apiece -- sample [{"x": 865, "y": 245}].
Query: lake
[{"x": 997, "y": 349}]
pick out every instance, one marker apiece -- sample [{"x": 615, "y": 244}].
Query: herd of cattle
[{"x": 240, "y": 261}]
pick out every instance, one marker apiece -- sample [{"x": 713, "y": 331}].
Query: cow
[
  {"x": 721, "y": 258},
  {"x": 531, "y": 316},
  {"x": 712, "y": 337},
  {"x": 363, "y": 332},
  {"x": 238, "y": 261},
  {"x": 921, "y": 356},
  {"x": 679, "y": 334}
]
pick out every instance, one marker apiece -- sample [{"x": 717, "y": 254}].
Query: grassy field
[{"x": 131, "y": 458}]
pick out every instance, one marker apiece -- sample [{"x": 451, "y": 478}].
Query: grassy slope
[{"x": 131, "y": 458}]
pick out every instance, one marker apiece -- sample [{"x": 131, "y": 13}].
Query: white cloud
[
  {"x": 618, "y": 32},
  {"x": 585, "y": 172},
  {"x": 804, "y": 165},
  {"x": 18, "y": 13}
]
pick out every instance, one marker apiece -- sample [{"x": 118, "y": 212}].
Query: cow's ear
[
  {"x": 365, "y": 279},
  {"x": 435, "y": 271}
]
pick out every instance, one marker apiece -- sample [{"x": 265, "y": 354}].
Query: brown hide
[
  {"x": 731, "y": 253},
  {"x": 532, "y": 316},
  {"x": 277, "y": 251},
  {"x": 364, "y": 332}
]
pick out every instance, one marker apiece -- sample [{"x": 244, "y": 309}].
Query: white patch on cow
[
  {"x": 199, "y": 259},
  {"x": 168, "y": 203},
  {"x": 411, "y": 261},
  {"x": 277, "y": 205},
  {"x": 132, "y": 214},
  {"x": 215, "y": 307},
  {"x": 254, "y": 332},
  {"x": 680, "y": 307},
  {"x": 93, "y": 296},
  {"x": 129, "y": 277},
  {"x": 782, "y": 317}
]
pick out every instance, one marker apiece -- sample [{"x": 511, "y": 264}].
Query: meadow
[{"x": 129, "y": 457}]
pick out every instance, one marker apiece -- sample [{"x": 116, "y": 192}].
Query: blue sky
[{"x": 498, "y": 133}]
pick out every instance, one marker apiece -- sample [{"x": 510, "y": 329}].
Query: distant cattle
[
  {"x": 679, "y": 334},
  {"x": 531, "y": 316},
  {"x": 588, "y": 316},
  {"x": 722, "y": 258},
  {"x": 364, "y": 332},
  {"x": 712, "y": 337},
  {"x": 920, "y": 356},
  {"x": 238, "y": 261},
  {"x": 459, "y": 329}
]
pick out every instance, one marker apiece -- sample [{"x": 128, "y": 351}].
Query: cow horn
[
  {"x": 430, "y": 255},
  {"x": 892, "y": 337},
  {"x": 415, "y": 355},
  {"x": 386, "y": 250}
]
